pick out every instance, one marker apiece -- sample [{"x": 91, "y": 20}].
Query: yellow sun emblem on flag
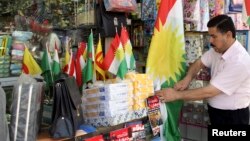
[
  {"x": 166, "y": 58},
  {"x": 128, "y": 48},
  {"x": 119, "y": 54}
]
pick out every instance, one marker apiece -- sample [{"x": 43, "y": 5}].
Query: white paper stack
[{"x": 106, "y": 101}]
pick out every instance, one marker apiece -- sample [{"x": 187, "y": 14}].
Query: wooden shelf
[{"x": 44, "y": 136}]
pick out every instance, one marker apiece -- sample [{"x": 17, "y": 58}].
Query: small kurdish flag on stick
[{"x": 114, "y": 61}]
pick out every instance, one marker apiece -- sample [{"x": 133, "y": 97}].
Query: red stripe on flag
[
  {"x": 98, "y": 55},
  {"x": 124, "y": 36},
  {"x": 78, "y": 72},
  {"x": 247, "y": 4},
  {"x": 25, "y": 69},
  {"x": 66, "y": 67},
  {"x": 111, "y": 52},
  {"x": 163, "y": 12}
]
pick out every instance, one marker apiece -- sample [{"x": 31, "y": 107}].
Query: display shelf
[{"x": 81, "y": 135}]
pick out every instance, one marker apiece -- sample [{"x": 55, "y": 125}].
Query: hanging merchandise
[
  {"x": 191, "y": 15},
  {"x": 216, "y": 7},
  {"x": 26, "y": 110},
  {"x": 235, "y": 6},
  {"x": 149, "y": 10},
  {"x": 120, "y": 5},
  {"x": 149, "y": 27},
  {"x": 85, "y": 13},
  {"x": 66, "y": 114},
  {"x": 110, "y": 21},
  {"x": 193, "y": 46},
  {"x": 196, "y": 15}
]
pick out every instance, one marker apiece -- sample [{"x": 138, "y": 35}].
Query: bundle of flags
[
  {"x": 84, "y": 62},
  {"x": 119, "y": 58},
  {"x": 91, "y": 65}
]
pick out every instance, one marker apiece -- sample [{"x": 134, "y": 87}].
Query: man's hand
[
  {"x": 168, "y": 95},
  {"x": 182, "y": 85}
]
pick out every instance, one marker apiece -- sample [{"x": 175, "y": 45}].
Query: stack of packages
[
  {"x": 17, "y": 52},
  {"x": 142, "y": 88},
  {"x": 107, "y": 102},
  {"x": 4, "y": 66},
  {"x": 5, "y": 43},
  {"x": 16, "y": 58},
  {"x": 117, "y": 102}
]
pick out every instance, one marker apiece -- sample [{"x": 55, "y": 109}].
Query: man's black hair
[{"x": 223, "y": 23}]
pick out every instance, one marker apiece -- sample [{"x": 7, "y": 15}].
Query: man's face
[{"x": 218, "y": 40}]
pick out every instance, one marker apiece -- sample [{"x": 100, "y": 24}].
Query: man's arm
[
  {"x": 170, "y": 94},
  {"x": 192, "y": 72}
]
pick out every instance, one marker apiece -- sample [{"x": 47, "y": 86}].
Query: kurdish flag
[
  {"x": 114, "y": 60},
  {"x": 246, "y": 12},
  {"x": 166, "y": 61},
  {"x": 30, "y": 66},
  {"x": 130, "y": 59}
]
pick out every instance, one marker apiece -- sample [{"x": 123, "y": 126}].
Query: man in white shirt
[{"x": 228, "y": 93}]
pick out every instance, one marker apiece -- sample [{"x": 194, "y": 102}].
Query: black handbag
[
  {"x": 67, "y": 115},
  {"x": 75, "y": 97},
  {"x": 109, "y": 21}
]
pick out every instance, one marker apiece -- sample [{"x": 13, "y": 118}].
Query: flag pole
[
  {"x": 68, "y": 71},
  {"x": 93, "y": 59}
]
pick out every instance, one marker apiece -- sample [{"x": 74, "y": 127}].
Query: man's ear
[{"x": 229, "y": 34}]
